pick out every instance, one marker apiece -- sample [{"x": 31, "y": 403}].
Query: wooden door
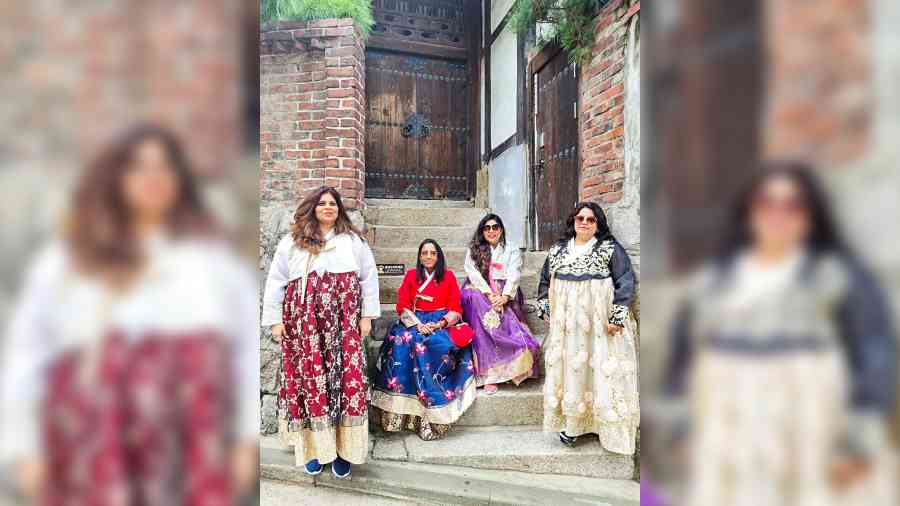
[
  {"x": 555, "y": 156},
  {"x": 417, "y": 126}
]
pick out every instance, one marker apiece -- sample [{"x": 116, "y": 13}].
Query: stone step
[
  {"x": 389, "y": 315},
  {"x": 441, "y": 484},
  {"x": 455, "y": 257},
  {"x": 510, "y": 406},
  {"x": 389, "y": 285},
  {"x": 424, "y": 217},
  {"x": 419, "y": 204},
  {"x": 525, "y": 448},
  {"x": 410, "y": 237}
]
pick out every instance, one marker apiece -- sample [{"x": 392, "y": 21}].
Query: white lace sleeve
[
  {"x": 368, "y": 279},
  {"x": 513, "y": 272},
  {"x": 243, "y": 329},
  {"x": 475, "y": 277},
  {"x": 276, "y": 282},
  {"x": 29, "y": 348}
]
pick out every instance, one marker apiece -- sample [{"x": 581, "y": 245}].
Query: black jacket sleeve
[
  {"x": 543, "y": 297},
  {"x": 864, "y": 322},
  {"x": 623, "y": 283},
  {"x": 681, "y": 351}
]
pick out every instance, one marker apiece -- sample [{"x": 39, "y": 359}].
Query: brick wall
[
  {"x": 602, "y": 104},
  {"x": 74, "y": 77},
  {"x": 819, "y": 80},
  {"x": 312, "y": 92}
]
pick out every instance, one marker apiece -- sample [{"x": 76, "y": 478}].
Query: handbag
[{"x": 461, "y": 334}]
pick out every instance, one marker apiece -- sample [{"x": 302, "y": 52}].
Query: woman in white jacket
[{"x": 320, "y": 299}]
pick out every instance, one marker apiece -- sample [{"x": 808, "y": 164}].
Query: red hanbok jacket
[{"x": 434, "y": 296}]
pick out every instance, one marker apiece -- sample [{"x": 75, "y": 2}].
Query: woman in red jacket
[{"x": 425, "y": 382}]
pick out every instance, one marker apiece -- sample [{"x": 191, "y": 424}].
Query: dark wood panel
[
  {"x": 434, "y": 23},
  {"x": 418, "y": 127},
  {"x": 555, "y": 147}
]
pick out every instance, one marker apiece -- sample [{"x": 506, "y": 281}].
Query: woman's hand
[
  {"x": 613, "y": 329},
  {"x": 245, "y": 466},
  {"x": 278, "y": 332},
  {"x": 365, "y": 327},
  {"x": 424, "y": 329},
  {"x": 499, "y": 302},
  {"x": 846, "y": 471},
  {"x": 31, "y": 474}
]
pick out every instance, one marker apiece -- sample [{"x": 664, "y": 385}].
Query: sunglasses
[
  {"x": 791, "y": 205},
  {"x": 494, "y": 228},
  {"x": 590, "y": 220}
]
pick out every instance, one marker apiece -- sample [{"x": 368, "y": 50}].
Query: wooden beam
[
  {"x": 521, "y": 83},
  {"x": 496, "y": 33},
  {"x": 414, "y": 47},
  {"x": 487, "y": 80},
  {"x": 508, "y": 143}
]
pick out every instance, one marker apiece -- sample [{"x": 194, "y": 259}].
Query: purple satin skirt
[{"x": 507, "y": 353}]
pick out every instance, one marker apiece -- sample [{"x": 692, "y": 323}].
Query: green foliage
[
  {"x": 308, "y": 10},
  {"x": 573, "y": 21}
]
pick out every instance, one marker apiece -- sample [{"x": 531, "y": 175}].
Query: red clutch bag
[{"x": 461, "y": 334}]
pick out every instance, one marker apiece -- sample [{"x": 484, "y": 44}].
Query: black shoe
[{"x": 567, "y": 439}]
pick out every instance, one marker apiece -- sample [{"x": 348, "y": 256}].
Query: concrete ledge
[{"x": 437, "y": 484}]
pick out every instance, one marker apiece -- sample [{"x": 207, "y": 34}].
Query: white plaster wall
[
  {"x": 504, "y": 89},
  {"x": 625, "y": 215},
  {"x": 499, "y": 8},
  {"x": 508, "y": 192}
]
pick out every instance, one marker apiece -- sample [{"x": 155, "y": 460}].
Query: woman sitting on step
[
  {"x": 587, "y": 284},
  {"x": 320, "y": 299},
  {"x": 424, "y": 382},
  {"x": 492, "y": 302}
]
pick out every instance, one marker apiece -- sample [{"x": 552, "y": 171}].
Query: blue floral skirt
[{"x": 423, "y": 383}]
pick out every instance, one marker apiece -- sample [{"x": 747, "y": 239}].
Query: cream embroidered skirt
[{"x": 592, "y": 379}]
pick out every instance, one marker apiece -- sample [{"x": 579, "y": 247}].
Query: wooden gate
[
  {"x": 417, "y": 127},
  {"x": 554, "y": 146},
  {"x": 419, "y": 101}
]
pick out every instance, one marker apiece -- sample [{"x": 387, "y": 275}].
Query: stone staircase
[{"x": 496, "y": 453}]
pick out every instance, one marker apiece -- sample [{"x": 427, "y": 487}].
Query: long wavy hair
[
  {"x": 305, "y": 228},
  {"x": 603, "y": 233},
  {"x": 480, "y": 249},
  {"x": 824, "y": 235},
  {"x": 99, "y": 227},
  {"x": 440, "y": 268}
]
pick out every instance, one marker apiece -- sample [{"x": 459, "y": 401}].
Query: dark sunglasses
[
  {"x": 586, "y": 219},
  {"x": 494, "y": 228},
  {"x": 792, "y": 205}
]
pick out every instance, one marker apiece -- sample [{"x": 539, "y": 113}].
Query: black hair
[
  {"x": 440, "y": 268},
  {"x": 824, "y": 236},
  {"x": 479, "y": 248},
  {"x": 602, "y": 233}
]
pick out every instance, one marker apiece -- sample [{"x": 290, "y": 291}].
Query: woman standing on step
[
  {"x": 784, "y": 348},
  {"x": 587, "y": 284},
  {"x": 425, "y": 382},
  {"x": 129, "y": 373},
  {"x": 320, "y": 299},
  {"x": 503, "y": 346}
]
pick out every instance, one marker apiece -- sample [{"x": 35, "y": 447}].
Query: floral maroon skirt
[
  {"x": 139, "y": 422},
  {"x": 323, "y": 399}
]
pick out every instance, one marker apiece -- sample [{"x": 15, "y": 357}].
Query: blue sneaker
[
  {"x": 340, "y": 468},
  {"x": 313, "y": 467}
]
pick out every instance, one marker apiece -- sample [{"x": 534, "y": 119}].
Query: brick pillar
[
  {"x": 602, "y": 97},
  {"x": 312, "y": 94}
]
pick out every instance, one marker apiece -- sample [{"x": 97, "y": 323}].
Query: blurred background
[
  {"x": 75, "y": 75},
  {"x": 728, "y": 85}
]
